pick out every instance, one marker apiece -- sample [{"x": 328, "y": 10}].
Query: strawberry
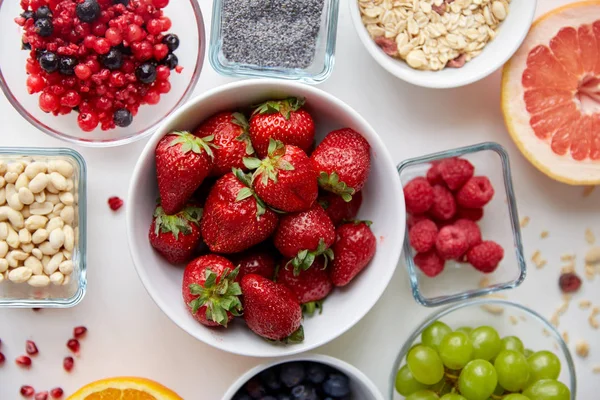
[
  {"x": 257, "y": 261},
  {"x": 235, "y": 219},
  {"x": 304, "y": 236},
  {"x": 342, "y": 161},
  {"x": 285, "y": 179},
  {"x": 210, "y": 291},
  {"x": 271, "y": 310},
  {"x": 182, "y": 162},
  {"x": 354, "y": 248},
  {"x": 176, "y": 237},
  {"x": 310, "y": 286},
  {"x": 231, "y": 140},
  {"x": 283, "y": 120},
  {"x": 338, "y": 209}
]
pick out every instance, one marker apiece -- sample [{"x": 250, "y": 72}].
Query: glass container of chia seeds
[{"x": 286, "y": 39}]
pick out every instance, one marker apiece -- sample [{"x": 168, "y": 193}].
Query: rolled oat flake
[{"x": 271, "y": 33}]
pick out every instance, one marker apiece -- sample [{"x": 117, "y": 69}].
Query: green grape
[
  {"x": 516, "y": 396},
  {"x": 412, "y": 347},
  {"x": 423, "y": 395},
  {"x": 425, "y": 365},
  {"x": 512, "y": 343},
  {"x": 486, "y": 343},
  {"x": 452, "y": 396},
  {"x": 499, "y": 391},
  {"x": 406, "y": 383},
  {"x": 543, "y": 365},
  {"x": 432, "y": 335},
  {"x": 442, "y": 387},
  {"x": 477, "y": 380},
  {"x": 548, "y": 389},
  {"x": 512, "y": 369},
  {"x": 456, "y": 350},
  {"x": 465, "y": 329},
  {"x": 528, "y": 352}
]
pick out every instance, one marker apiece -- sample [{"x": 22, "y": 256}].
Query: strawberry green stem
[
  {"x": 310, "y": 307},
  {"x": 177, "y": 223},
  {"x": 305, "y": 258},
  {"x": 219, "y": 298},
  {"x": 283, "y": 107},
  {"x": 331, "y": 182}
]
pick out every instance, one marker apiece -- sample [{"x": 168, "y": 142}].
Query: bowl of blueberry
[
  {"x": 99, "y": 73},
  {"x": 305, "y": 377}
]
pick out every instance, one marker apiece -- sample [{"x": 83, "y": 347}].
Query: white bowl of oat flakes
[{"x": 442, "y": 43}]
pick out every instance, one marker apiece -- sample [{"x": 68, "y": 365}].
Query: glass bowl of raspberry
[
  {"x": 99, "y": 73},
  {"x": 463, "y": 235}
]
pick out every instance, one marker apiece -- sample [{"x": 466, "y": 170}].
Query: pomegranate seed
[
  {"x": 68, "y": 363},
  {"x": 56, "y": 393},
  {"x": 569, "y": 282},
  {"x": 73, "y": 345},
  {"x": 31, "y": 348},
  {"x": 2, "y": 358},
  {"x": 115, "y": 203},
  {"x": 27, "y": 391},
  {"x": 79, "y": 331},
  {"x": 36, "y": 309},
  {"x": 41, "y": 396},
  {"x": 23, "y": 361}
]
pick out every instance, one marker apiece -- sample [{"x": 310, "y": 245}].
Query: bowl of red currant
[{"x": 99, "y": 73}]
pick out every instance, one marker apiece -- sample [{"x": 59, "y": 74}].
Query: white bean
[
  {"x": 40, "y": 197},
  {"x": 3, "y": 266},
  {"x": 25, "y": 212},
  {"x": 19, "y": 275},
  {"x": 12, "y": 261},
  {"x": 34, "y": 265},
  {"x": 66, "y": 267},
  {"x": 2, "y": 196},
  {"x": 50, "y": 187},
  {"x": 39, "y": 236},
  {"x": 2, "y": 181},
  {"x": 39, "y": 281},
  {"x": 39, "y": 183},
  {"x": 57, "y": 238},
  {"x": 14, "y": 217},
  {"x": 41, "y": 209},
  {"x": 53, "y": 264},
  {"x": 66, "y": 198},
  {"x": 13, "y": 238},
  {"x": 58, "y": 208},
  {"x": 68, "y": 215},
  {"x": 67, "y": 280},
  {"x": 69, "y": 238},
  {"x": 70, "y": 185},
  {"x": 3, "y": 248},
  {"x": 24, "y": 236},
  {"x": 26, "y": 196},
  {"x": 58, "y": 181},
  {"x": 10, "y": 190},
  {"x": 55, "y": 223},
  {"x": 33, "y": 169},
  {"x": 57, "y": 278},
  {"x": 27, "y": 247},
  {"x": 68, "y": 254},
  {"x": 53, "y": 215},
  {"x": 53, "y": 198},
  {"x": 11, "y": 177},
  {"x": 2, "y": 167},
  {"x": 16, "y": 167},
  {"x": 47, "y": 249},
  {"x": 14, "y": 202},
  {"x": 35, "y": 222},
  {"x": 45, "y": 261},
  {"x": 3, "y": 230},
  {"x": 22, "y": 181},
  {"x": 1, "y": 278},
  {"x": 62, "y": 167},
  {"x": 37, "y": 253}
]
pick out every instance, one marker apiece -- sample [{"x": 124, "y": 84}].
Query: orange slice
[
  {"x": 551, "y": 94},
  {"x": 124, "y": 388}
]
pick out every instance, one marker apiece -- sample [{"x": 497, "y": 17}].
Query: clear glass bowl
[
  {"x": 500, "y": 223},
  {"x": 22, "y": 295},
  {"x": 187, "y": 24},
  {"x": 514, "y": 320},
  {"x": 317, "y": 72}
]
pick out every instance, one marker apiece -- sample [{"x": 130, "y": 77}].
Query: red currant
[
  {"x": 162, "y": 73},
  {"x": 134, "y": 33},
  {"x": 160, "y": 3},
  {"x": 163, "y": 86},
  {"x": 82, "y": 71},
  {"x": 160, "y": 51},
  {"x": 154, "y": 26},
  {"x": 88, "y": 121},
  {"x": 70, "y": 99},
  {"x": 101, "y": 46},
  {"x": 35, "y": 84},
  {"x": 49, "y": 102},
  {"x": 114, "y": 36},
  {"x": 152, "y": 97}
]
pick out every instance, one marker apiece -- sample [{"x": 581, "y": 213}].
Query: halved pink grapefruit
[{"x": 551, "y": 94}]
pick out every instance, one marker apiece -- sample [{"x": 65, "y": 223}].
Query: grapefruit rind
[
  {"x": 561, "y": 168},
  {"x": 146, "y": 386}
]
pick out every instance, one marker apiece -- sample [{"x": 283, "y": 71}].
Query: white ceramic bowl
[
  {"x": 362, "y": 387},
  {"x": 383, "y": 204},
  {"x": 511, "y": 34}
]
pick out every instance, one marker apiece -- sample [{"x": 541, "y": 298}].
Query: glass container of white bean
[{"x": 42, "y": 228}]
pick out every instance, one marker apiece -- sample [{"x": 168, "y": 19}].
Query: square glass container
[
  {"x": 500, "y": 223},
  {"x": 317, "y": 72},
  {"x": 22, "y": 295}
]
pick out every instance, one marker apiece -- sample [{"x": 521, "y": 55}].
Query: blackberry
[
  {"x": 66, "y": 65},
  {"x": 172, "y": 41},
  {"x": 44, "y": 27},
  {"x": 48, "y": 62},
  {"x": 43, "y": 12},
  {"x": 146, "y": 73},
  {"x": 122, "y": 117},
  {"x": 125, "y": 50},
  {"x": 88, "y": 11},
  {"x": 27, "y": 14},
  {"x": 113, "y": 59},
  {"x": 171, "y": 61}
]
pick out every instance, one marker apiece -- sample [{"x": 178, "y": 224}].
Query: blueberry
[
  {"x": 125, "y": 50},
  {"x": 284, "y": 396},
  {"x": 124, "y": 2},
  {"x": 44, "y": 27},
  {"x": 113, "y": 59},
  {"x": 241, "y": 396},
  {"x": 172, "y": 41},
  {"x": 66, "y": 65},
  {"x": 88, "y": 11},
  {"x": 316, "y": 373},
  {"x": 270, "y": 379},
  {"x": 27, "y": 14},
  {"x": 292, "y": 374},
  {"x": 304, "y": 392},
  {"x": 48, "y": 61},
  {"x": 43, "y": 12},
  {"x": 25, "y": 46},
  {"x": 337, "y": 385},
  {"x": 268, "y": 398},
  {"x": 255, "y": 389},
  {"x": 171, "y": 61},
  {"x": 122, "y": 117},
  {"x": 146, "y": 73}
]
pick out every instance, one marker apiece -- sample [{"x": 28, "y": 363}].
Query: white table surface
[{"x": 129, "y": 335}]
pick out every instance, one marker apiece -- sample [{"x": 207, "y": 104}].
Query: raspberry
[
  {"x": 422, "y": 236},
  {"x": 444, "y": 206},
  {"x": 430, "y": 263},
  {"x": 471, "y": 230},
  {"x": 451, "y": 242},
  {"x": 456, "y": 172},
  {"x": 434, "y": 177},
  {"x": 415, "y": 219},
  {"x": 473, "y": 214},
  {"x": 418, "y": 195},
  {"x": 486, "y": 256},
  {"x": 476, "y": 193}
]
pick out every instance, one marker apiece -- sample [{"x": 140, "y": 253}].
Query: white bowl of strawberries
[{"x": 280, "y": 217}]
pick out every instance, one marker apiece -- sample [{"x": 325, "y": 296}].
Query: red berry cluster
[
  {"x": 101, "y": 58},
  {"x": 443, "y": 208}
]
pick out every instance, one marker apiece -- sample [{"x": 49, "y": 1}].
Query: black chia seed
[{"x": 271, "y": 33}]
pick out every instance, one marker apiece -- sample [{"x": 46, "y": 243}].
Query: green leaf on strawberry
[
  {"x": 284, "y": 107},
  {"x": 268, "y": 168},
  {"x": 310, "y": 307},
  {"x": 219, "y": 298},
  {"x": 305, "y": 258},
  {"x": 331, "y": 182},
  {"x": 246, "y": 192},
  {"x": 240, "y": 120},
  {"x": 178, "y": 223},
  {"x": 193, "y": 143}
]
